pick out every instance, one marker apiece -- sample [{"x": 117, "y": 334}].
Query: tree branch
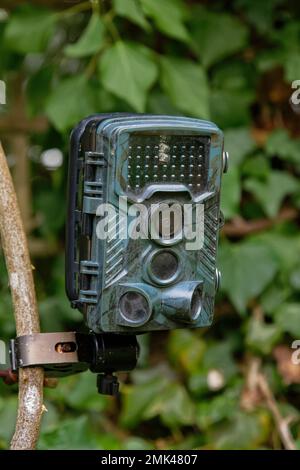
[
  {"x": 240, "y": 227},
  {"x": 10, "y": 124},
  {"x": 26, "y": 314}
]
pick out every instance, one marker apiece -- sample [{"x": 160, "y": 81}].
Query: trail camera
[
  {"x": 141, "y": 247},
  {"x": 143, "y": 222}
]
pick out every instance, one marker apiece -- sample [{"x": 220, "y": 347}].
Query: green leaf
[
  {"x": 131, "y": 10},
  {"x": 174, "y": 407},
  {"x": 257, "y": 166},
  {"x": 137, "y": 443},
  {"x": 37, "y": 90},
  {"x": 247, "y": 268},
  {"x": 295, "y": 278},
  {"x": 218, "y": 357},
  {"x": 292, "y": 67},
  {"x": 51, "y": 417},
  {"x": 259, "y": 14},
  {"x": 268, "y": 59},
  {"x": 271, "y": 193},
  {"x": 90, "y": 41},
  {"x": 217, "y": 409},
  {"x": 284, "y": 246},
  {"x": 239, "y": 143},
  {"x": 231, "y": 108},
  {"x": 288, "y": 43},
  {"x": 168, "y": 16},
  {"x": 59, "y": 437},
  {"x": 29, "y": 29},
  {"x": 273, "y": 297},
  {"x": 217, "y": 35},
  {"x": 244, "y": 431},
  {"x": 262, "y": 337},
  {"x": 8, "y": 412},
  {"x": 186, "y": 350},
  {"x": 231, "y": 193},
  {"x": 233, "y": 75},
  {"x": 185, "y": 83},
  {"x": 128, "y": 70},
  {"x": 137, "y": 399},
  {"x": 288, "y": 36},
  {"x": 194, "y": 440},
  {"x": 281, "y": 144},
  {"x": 58, "y": 304},
  {"x": 287, "y": 317},
  {"x": 159, "y": 103},
  {"x": 51, "y": 209},
  {"x": 106, "y": 440},
  {"x": 64, "y": 108},
  {"x": 84, "y": 396},
  {"x": 198, "y": 384}
]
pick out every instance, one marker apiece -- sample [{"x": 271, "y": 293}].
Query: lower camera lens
[{"x": 134, "y": 308}]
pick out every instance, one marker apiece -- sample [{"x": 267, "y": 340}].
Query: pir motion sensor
[{"x": 172, "y": 221}]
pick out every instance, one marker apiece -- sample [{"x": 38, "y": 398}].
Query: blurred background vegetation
[{"x": 233, "y": 385}]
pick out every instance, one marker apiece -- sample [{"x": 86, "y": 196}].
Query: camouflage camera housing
[{"x": 134, "y": 285}]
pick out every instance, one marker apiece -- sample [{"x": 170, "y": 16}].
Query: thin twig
[
  {"x": 25, "y": 307},
  {"x": 240, "y": 227},
  {"x": 257, "y": 389},
  {"x": 282, "y": 423}
]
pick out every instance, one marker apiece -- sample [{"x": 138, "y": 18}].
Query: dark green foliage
[{"x": 232, "y": 62}]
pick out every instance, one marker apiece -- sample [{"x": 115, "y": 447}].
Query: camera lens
[
  {"x": 196, "y": 303},
  {"x": 164, "y": 265},
  {"x": 134, "y": 308},
  {"x": 167, "y": 222}
]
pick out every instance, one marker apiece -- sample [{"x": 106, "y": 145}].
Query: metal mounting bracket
[{"x": 67, "y": 353}]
